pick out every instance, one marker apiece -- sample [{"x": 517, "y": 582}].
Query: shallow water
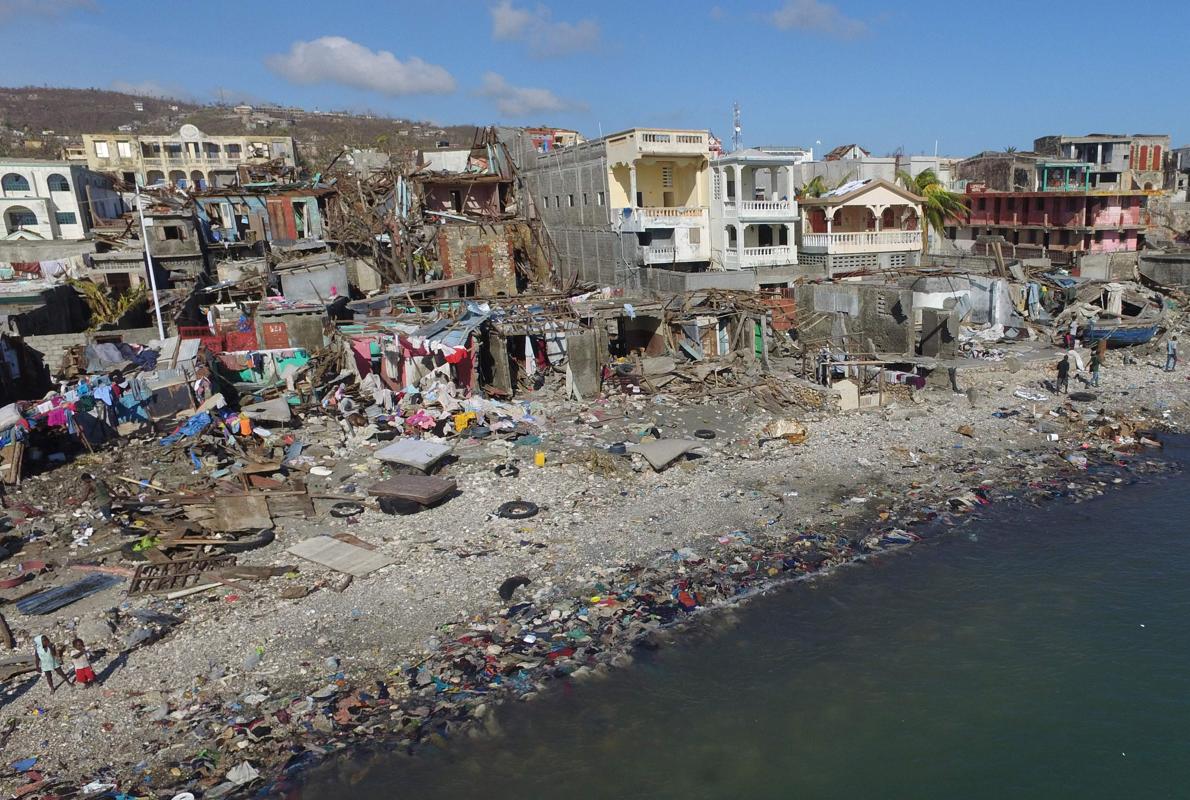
[{"x": 1035, "y": 654}]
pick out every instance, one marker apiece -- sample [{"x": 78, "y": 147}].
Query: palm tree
[
  {"x": 940, "y": 204},
  {"x": 815, "y": 187},
  {"x": 1010, "y": 149}
]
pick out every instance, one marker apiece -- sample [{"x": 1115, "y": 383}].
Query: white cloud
[
  {"x": 45, "y": 8},
  {"x": 812, "y": 15},
  {"x": 521, "y": 101},
  {"x": 152, "y": 89},
  {"x": 334, "y": 59},
  {"x": 537, "y": 30}
]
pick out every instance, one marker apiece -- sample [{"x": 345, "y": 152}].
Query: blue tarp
[{"x": 191, "y": 427}]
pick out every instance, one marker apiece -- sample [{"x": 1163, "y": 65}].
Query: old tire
[
  {"x": 517, "y": 509},
  {"x": 347, "y": 508}
]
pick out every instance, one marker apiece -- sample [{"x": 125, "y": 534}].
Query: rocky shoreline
[
  {"x": 862, "y": 485},
  {"x": 585, "y": 638}
]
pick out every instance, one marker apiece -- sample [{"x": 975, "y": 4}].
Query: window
[
  {"x": 1040, "y": 203},
  {"x": 545, "y": 201},
  {"x": 172, "y": 232},
  {"x": 667, "y": 176},
  {"x": 982, "y": 205},
  {"x": 21, "y": 218},
  {"x": 124, "y": 149},
  {"x": 58, "y": 183},
  {"x": 456, "y": 200},
  {"x": 13, "y": 182},
  {"x": 586, "y": 199},
  {"x": 66, "y": 218},
  {"x": 695, "y": 235},
  {"x": 599, "y": 198},
  {"x": 570, "y": 200},
  {"x": 101, "y": 150},
  {"x": 557, "y": 201}
]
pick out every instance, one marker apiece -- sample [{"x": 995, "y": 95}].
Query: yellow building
[{"x": 637, "y": 198}]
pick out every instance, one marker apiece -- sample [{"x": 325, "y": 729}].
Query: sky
[{"x": 962, "y": 77}]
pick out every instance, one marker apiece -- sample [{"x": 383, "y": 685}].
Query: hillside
[{"x": 38, "y": 122}]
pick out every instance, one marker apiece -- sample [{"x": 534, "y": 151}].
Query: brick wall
[{"x": 480, "y": 250}]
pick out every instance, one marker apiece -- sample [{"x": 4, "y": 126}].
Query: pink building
[{"x": 1059, "y": 225}]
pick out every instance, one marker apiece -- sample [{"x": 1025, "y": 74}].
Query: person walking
[
  {"x": 48, "y": 661},
  {"x": 1096, "y": 363},
  {"x": 1171, "y": 353},
  {"x": 1064, "y": 375}
]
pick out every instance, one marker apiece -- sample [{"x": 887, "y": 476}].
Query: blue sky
[{"x": 973, "y": 76}]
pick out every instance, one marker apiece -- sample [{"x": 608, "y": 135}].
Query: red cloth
[{"x": 84, "y": 676}]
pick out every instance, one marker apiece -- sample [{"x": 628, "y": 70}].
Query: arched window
[
  {"x": 13, "y": 182},
  {"x": 20, "y": 217},
  {"x": 58, "y": 183}
]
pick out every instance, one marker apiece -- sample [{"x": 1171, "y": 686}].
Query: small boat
[
  {"x": 1124, "y": 315},
  {"x": 1121, "y": 332}
]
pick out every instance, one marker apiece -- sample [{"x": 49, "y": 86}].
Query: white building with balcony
[
  {"x": 863, "y": 226},
  {"x": 754, "y": 210},
  {"x": 187, "y": 159},
  {"x": 53, "y": 200}
]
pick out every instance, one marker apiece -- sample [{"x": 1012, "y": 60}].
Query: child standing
[
  {"x": 47, "y": 661},
  {"x": 81, "y": 661}
]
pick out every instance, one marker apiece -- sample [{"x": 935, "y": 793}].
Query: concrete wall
[
  {"x": 62, "y": 311},
  {"x": 316, "y": 284},
  {"x": 1108, "y": 266},
  {"x": 305, "y": 330},
  {"x": 54, "y": 346},
  {"x": 1167, "y": 269},
  {"x": 882, "y": 314}
]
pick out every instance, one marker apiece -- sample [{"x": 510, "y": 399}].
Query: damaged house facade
[
  {"x": 468, "y": 204},
  {"x": 1115, "y": 162},
  {"x": 188, "y": 159},
  {"x": 1032, "y": 206},
  {"x": 53, "y": 200},
  {"x": 625, "y": 205}
]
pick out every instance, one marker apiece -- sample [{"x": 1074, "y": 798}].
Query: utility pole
[{"x": 144, "y": 237}]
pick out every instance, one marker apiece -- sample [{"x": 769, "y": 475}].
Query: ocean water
[{"x": 1040, "y": 653}]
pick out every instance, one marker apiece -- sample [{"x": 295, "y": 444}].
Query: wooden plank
[
  {"x": 340, "y": 556},
  {"x": 240, "y": 513}
]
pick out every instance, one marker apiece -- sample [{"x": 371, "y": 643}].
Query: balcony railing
[
  {"x": 661, "y": 255},
  {"x": 761, "y": 209},
  {"x": 761, "y": 256},
  {"x": 657, "y": 211},
  {"x": 862, "y": 241},
  {"x": 638, "y": 219}
]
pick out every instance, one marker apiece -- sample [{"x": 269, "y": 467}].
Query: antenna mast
[{"x": 737, "y": 141}]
